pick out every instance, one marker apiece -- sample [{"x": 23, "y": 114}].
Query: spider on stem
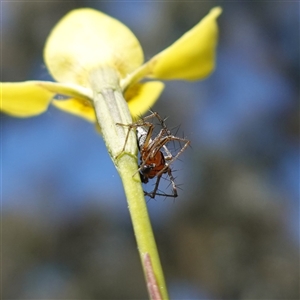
[{"x": 153, "y": 161}]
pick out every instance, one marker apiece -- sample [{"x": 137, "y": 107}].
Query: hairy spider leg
[
  {"x": 169, "y": 155},
  {"x": 144, "y": 136},
  {"x": 137, "y": 126},
  {"x": 140, "y": 123},
  {"x": 159, "y": 142},
  {"x": 174, "y": 189},
  {"x": 171, "y": 160}
]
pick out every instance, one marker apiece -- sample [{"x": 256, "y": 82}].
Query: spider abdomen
[{"x": 152, "y": 165}]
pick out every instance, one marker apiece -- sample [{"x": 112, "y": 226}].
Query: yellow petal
[
  {"x": 142, "y": 96},
  {"x": 69, "y": 90},
  {"x": 24, "y": 99},
  {"x": 191, "y": 57},
  {"x": 86, "y": 39},
  {"x": 77, "y": 107}
]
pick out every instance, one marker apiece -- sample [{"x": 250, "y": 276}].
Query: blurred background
[{"x": 233, "y": 232}]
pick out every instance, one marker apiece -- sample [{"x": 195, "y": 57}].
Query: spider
[{"x": 153, "y": 161}]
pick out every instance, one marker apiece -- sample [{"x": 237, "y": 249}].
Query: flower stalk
[{"x": 111, "y": 108}]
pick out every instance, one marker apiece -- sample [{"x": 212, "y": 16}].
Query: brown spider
[{"x": 153, "y": 162}]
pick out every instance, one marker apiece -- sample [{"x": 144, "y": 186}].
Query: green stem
[{"x": 111, "y": 108}]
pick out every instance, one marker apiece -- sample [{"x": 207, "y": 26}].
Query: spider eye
[
  {"x": 147, "y": 168},
  {"x": 144, "y": 178}
]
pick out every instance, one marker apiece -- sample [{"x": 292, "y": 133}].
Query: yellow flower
[{"x": 87, "y": 39}]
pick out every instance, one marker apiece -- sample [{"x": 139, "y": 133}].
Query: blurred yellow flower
[{"x": 86, "y": 40}]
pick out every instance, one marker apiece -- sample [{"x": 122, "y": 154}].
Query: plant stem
[{"x": 111, "y": 108}]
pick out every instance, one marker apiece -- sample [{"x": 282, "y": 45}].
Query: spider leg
[
  {"x": 153, "y": 147},
  {"x": 174, "y": 188},
  {"x": 144, "y": 136},
  {"x": 158, "y": 143},
  {"x": 169, "y": 156},
  {"x": 144, "y": 141},
  {"x": 161, "y": 121},
  {"x": 153, "y": 193},
  {"x": 174, "y": 138},
  {"x": 130, "y": 126}
]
